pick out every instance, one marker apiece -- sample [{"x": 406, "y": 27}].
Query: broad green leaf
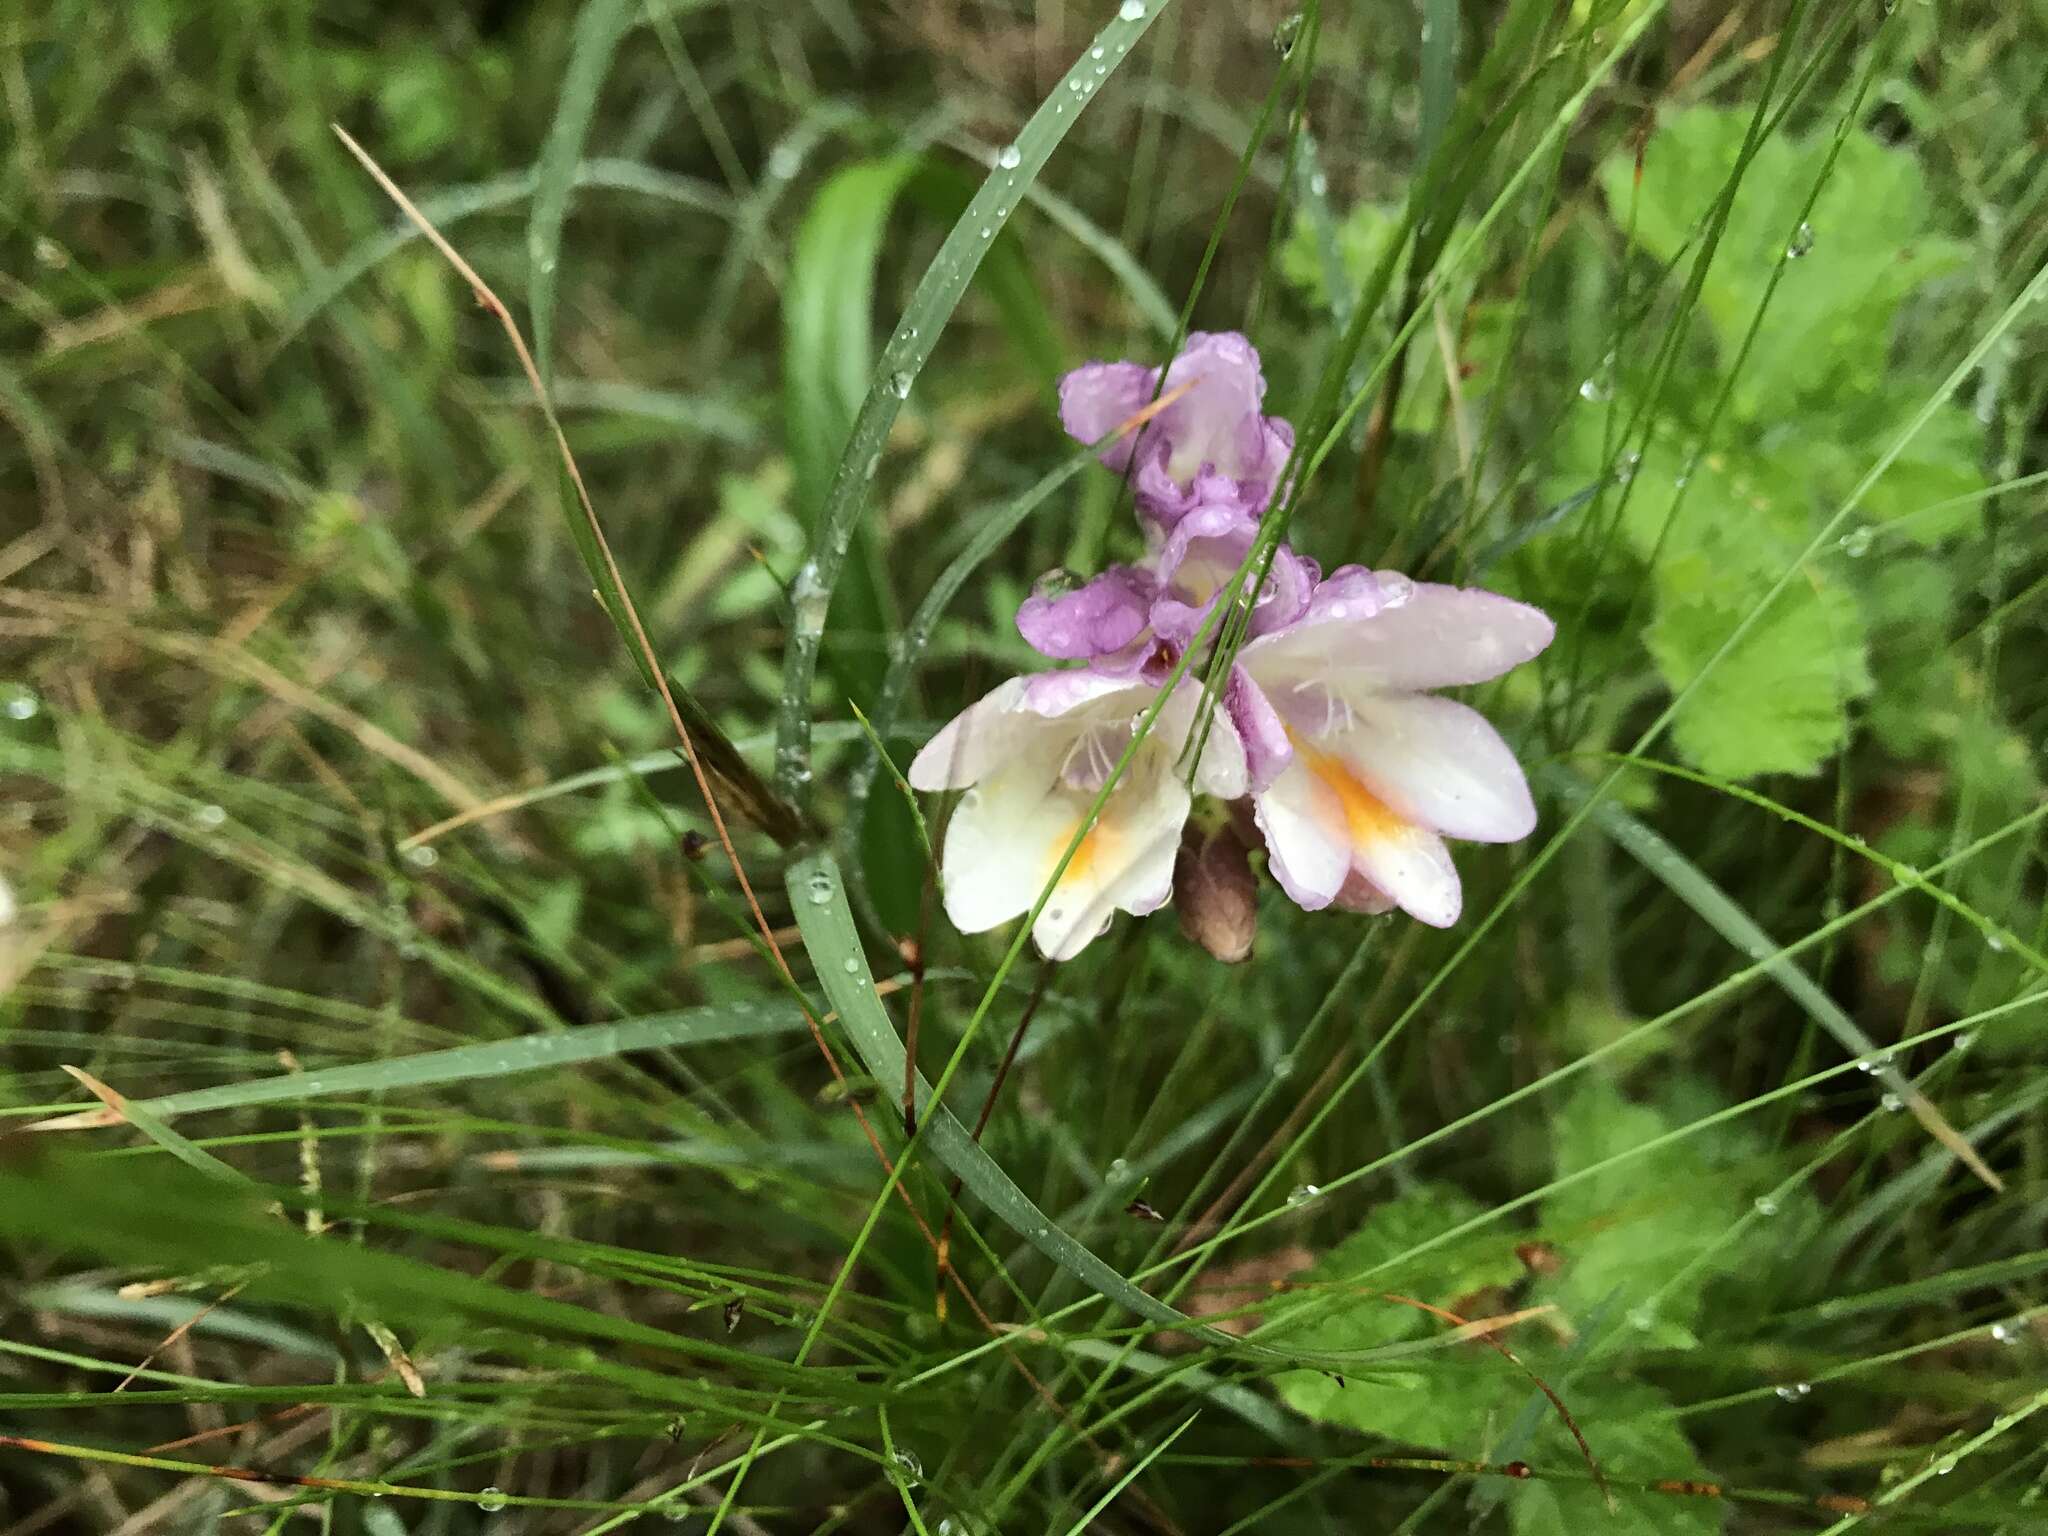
[
  {"x": 828, "y": 362},
  {"x": 1867, "y": 247},
  {"x": 1778, "y": 702},
  {"x": 1634, "y": 1438},
  {"x": 1343, "y": 1306},
  {"x": 828, "y": 316},
  {"x": 1626, "y": 1232}
]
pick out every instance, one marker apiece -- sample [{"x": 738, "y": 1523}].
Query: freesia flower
[
  {"x": 1198, "y": 559},
  {"x": 1358, "y": 773},
  {"x": 1032, "y": 756},
  {"x": 1210, "y": 446}
]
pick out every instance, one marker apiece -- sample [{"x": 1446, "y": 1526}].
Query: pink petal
[
  {"x": 1098, "y": 619},
  {"x": 1266, "y": 747},
  {"x": 1097, "y": 398}
]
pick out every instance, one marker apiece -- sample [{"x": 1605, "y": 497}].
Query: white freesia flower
[
  {"x": 1359, "y": 774},
  {"x": 1032, "y": 756}
]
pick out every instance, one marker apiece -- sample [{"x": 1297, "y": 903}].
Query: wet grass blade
[
  {"x": 467, "y": 1063},
  {"x": 598, "y": 30},
  {"x": 818, "y": 897},
  {"x": 930, "y": 308},
  {"x": 1690, "y": 884}
]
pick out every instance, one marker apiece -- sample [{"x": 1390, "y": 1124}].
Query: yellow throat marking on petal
[
  {"x": 1102, "y": 842},
  {"x": 1368, "y": 818}
]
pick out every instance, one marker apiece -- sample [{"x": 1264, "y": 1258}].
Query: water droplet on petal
[
  {"x": 1395, "y": 589},
  {"x": 1057, "y": 582}
]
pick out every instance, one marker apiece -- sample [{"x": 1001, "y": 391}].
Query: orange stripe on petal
[{"x": 1368, "y": 818}]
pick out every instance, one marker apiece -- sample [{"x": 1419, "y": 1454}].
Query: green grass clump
[{"x": 453, "y": 1143}]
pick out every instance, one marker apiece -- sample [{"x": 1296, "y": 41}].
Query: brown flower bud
[{"x": 1215, "y": 894}]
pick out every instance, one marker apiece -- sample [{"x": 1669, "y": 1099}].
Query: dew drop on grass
[
  {"x": 1012, "y": 156},
  {"x": 1319, "y": 184},
  {"x": 1595, "y": 390},
  {"x": 899, "y": 384},
  {"x": 491, "y": 1500},
  {"x": 22, "y": 705},
  {"x": 1300, "y": 1195},
  {"x": 1132, "y": 10},
  {"x": 1892, "y": 1103},
  {"x": 1994, "y": 943},
  {"x": 821, "y": 889},
  {"x": 2005, "y": 1333},
  {"x": 1095, "y": 52},
  {"x": 423, "y": 857},
  {"x": 1802, "y": 241},
  {"x": 1766, "y": 1206},
  {"x": 210, "y": 816},
  {"x": 852, "y": 966},
  {"x": 1285, "y": 33},
  {"x": 908, "y": 1465}
]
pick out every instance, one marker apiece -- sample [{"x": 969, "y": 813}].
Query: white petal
[
  {"x": 1438, "y": 763},
  {"x": 1308, "y": 842},
  {"x": 979, "y": 739},
  {"x": 1222, "y": 771},
  {"x": 996, "y": 857},
  {"x": 1438, "y": 637},
  {"x": 1124, "y": 864},
  {"x": 1406, "y": 861}
]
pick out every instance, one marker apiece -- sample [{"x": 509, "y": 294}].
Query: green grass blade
[
  {"x": 1725, "y": 916},
  {"x": 818, "y": 897},
  {"x": 503, "y": 1058},
  {"x": 598, "y": 31},
  {"x": 930, "y": 307}
]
